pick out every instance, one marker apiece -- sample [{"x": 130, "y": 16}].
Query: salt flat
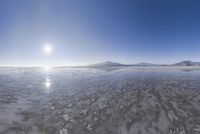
[{"x": 129, "y": 100}]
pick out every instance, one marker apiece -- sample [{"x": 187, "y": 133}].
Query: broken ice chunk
[
  {"x": 70, "y": 105},
  {"x": 63, "y": 131},
  {"x": 197, "y": 128},
  {"x": 53, "y": 108},
  {"x": 172, "y": 116},
  {"x": 89, "y": 127},
  {"x": 84, "y": 111},
  {"x": 182, "y": 132},
  {"x": 102, "y": 105},
  {"x": 68, "y": 117}
]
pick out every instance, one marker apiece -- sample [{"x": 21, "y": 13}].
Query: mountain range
[
  {"x": 187, "y": 63},
  {"x": 115, "y": 64}
]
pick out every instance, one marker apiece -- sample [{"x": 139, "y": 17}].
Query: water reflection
[
  {"x": 47, "y": 82},
  {"x": 47, "y": 79}
]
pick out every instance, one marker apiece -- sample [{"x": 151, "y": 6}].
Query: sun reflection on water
[{"x": 47, "y": 84}]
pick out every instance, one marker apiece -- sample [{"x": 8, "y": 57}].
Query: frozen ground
[{"x": 100, "y": 101}]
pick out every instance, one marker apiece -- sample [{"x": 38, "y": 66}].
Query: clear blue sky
[{"x": 89, "y": 31}]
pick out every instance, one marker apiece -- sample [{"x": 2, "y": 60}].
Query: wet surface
[{"x": 99, "y": 101}]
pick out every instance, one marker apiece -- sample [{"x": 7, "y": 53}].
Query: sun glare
[{"x": 47, "y": 49}]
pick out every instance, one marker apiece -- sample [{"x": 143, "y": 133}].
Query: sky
[{"x": 89, "y": 31}]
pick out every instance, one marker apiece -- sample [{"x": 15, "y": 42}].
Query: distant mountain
[
  {"x": 145, "y": 64},
  {"x": 107, "y": 64},
  {"x": 115, "y": 64},
  {"x": 187, "y": 63}
]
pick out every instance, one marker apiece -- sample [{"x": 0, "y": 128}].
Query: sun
[{"x": 47, "y": 49}]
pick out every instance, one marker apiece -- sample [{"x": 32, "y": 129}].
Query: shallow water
[{"x": 99, "y": 101}]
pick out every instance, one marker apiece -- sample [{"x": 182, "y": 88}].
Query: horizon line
[{"x": 89, "y": 64}]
